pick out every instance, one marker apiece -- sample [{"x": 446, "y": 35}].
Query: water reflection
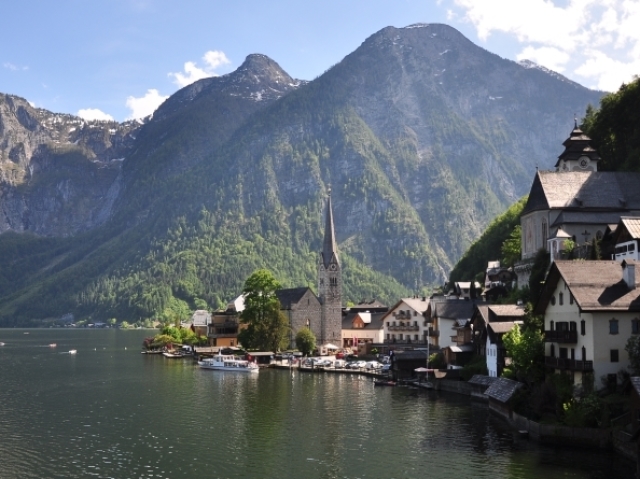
[{"x": 111, "y": 412}]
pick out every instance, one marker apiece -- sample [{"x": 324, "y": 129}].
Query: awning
[
  {"x": 461, "y": 349},
  {"x": 331, "y": 346}
]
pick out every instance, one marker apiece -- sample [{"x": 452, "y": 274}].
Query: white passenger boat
[{"x": 229, "y": 362}]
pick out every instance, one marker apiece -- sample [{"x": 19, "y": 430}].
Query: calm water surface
[{"x": 111, "y": 412}]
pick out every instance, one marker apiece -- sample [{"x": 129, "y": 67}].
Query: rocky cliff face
[
  {"x": 422, "y": 137},
  {"x": 59, "y": 175}
]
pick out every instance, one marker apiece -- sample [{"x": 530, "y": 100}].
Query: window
[
  {"x": 553, "y": 300},
  {"x": 560, "y": 299},
  {"x": 635, "y": 326},
  {"x": 552, "y": 353},
  {"x": 570, "y": 298},
  {"x": 583, "y": 327},
  {"x": 614, "y": 355},
  {"x": 613, "y": 326}
]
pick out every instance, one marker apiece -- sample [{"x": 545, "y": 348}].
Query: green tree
[
  {"x": 633, "y": 349},
  {"x": 305, "y": 341},
  {"x": 511, "y": 247},
  {"x": 525, "y": 347},
  {"x": 538, "y": 273},
  {"x": 267, "y": 327}
]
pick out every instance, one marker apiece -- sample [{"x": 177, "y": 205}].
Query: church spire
[{"x": 329, "y": 247}]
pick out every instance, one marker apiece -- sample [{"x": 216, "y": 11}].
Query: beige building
[
  {"x": 408, "y": 324},
  {"x": 591, "y": 309},
  {"x": 575, "y": 202}
]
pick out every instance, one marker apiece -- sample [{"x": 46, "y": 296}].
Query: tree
[
  {"x": 525, "y": 347},
  {"x": 538, "y": 273},
  {"x": 305, "y": 341},
  {"x": 633, "y": 349},
  {"x": 267, "y": 327},
  {"x": 512, "y": 247}
]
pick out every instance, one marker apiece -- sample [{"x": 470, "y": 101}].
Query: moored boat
[{"x": 228, "y": 362}]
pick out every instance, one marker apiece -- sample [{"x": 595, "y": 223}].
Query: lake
[{"x": 110, "y": 412}]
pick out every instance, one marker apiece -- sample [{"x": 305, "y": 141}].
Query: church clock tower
[{"x": 330, "y": 285}]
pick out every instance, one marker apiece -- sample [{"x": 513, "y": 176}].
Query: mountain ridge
[{"x": 422, "y": 136}]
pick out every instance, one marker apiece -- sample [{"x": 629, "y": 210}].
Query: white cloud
[
  {"x": 145, "y": 105},
  {"x": 596, "y": 42},
  {"x": 212, "y": 59},
  {"x": 14, "y": 68},
  {"x": 94, "y": 114}
]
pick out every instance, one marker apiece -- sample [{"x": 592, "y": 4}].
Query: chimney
[{"x": 629, "y": 274}]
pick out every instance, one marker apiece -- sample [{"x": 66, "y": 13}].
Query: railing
[
  {"x": 561, "y": 336},
  {"x": 408, "y": 327},
  {"x": 405, "y": 341},
  {"x": 570, "y": 364}
]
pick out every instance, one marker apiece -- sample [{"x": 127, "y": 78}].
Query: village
[{"x": 589, "y": 305}]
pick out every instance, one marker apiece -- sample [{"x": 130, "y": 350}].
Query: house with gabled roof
[
  {"x": 489, "y": 324},
  {"x": 590, "y": 309},
  {"x": 361, "y": 330},
  {"x": 575, "y": 202},
  {"x": 407, "y": 324},
  {"x": 449, "y": 315},
  {"x": 627, "y": 239}
]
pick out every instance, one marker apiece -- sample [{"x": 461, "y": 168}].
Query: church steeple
[
  {"x": 330, "y": 284},
  {"x": 329, "y": 247},
  {"x": 578, "y": 154}
]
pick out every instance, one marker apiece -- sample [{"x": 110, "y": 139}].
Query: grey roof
[
  {"x": 587, "y": 217},
  {"x": 454, "y": 309},
  {"x": 503, "y": 327},
  {"x": 597, "y": 190},
  {"x": 595, "y": 285},
  {"x": 632, "y": 225},
  {"x": 503, "y": 389},
  {"x": 376, "y": 321},
  {"x": 482, "y": 380},
  {"x": 329, "y": 245},
  {"x": 291, "y": 296}
]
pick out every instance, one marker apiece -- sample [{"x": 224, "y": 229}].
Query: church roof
[
  {"x": 595, "y": 190},
  {"x": 587, "y": 217},
  {"x": 329, "y": 245},
  {"x": 577, "y": 145},
  {"x": 291, "y": 296}
]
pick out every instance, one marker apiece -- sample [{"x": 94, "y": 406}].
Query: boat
[
  {"x": 228, "y": 362},
  {"x": 383, "y": 382},
  {"x": 1, "y": 344},
  {"x": 173, "y": 354},
  {"x": 52, "y": 345},
  {"x": 73, "y": 351}
]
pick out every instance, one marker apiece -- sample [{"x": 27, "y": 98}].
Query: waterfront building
[
  {"x": 590, "y": 310},
  {"x": 362, "y": 330},
  {"x": 408, "y": 324}
]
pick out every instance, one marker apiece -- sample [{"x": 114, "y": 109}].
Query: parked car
[
  {"x": 323, "y": 363},
  {"x": 386, "y": 367}
]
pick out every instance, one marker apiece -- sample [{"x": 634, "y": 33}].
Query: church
[
  {"x": 322, "y": 313},
  {"x": 574, "y": 204}
]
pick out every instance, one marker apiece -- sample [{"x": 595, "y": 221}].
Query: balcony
[
  {"x": 568, "y": 364},
  {"x": 433, "y": 333},
  {"x": 561, "y": 336},
  {"x": 405, "y": 341},
  {"x": 407, "y": 327}
]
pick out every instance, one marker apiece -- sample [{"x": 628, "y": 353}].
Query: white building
[{"x": 591, "y": 309}]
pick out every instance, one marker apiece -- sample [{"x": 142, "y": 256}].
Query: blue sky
[{"x": 120, "y": 58}]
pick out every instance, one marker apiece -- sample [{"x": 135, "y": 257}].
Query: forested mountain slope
[{"x": 422, "y": 137}]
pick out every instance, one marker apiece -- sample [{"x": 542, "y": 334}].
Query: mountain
[{"x": 421, "y": 136}]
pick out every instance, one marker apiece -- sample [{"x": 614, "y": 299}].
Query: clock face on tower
[
  {"x": 332, "y": 267},
  {"x": 583, "y": 161}
]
